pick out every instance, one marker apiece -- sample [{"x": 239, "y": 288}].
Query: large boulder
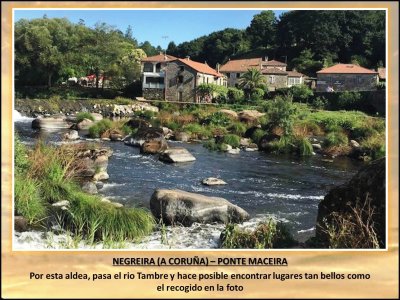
[
  {"x": 144, "y": 134},
  {"x": 52, "y": 122},
  {"x": 213, "y": 181},
  {"x": 180, "y": 207},
  {"x": 137, "y": 123},
  {"x": 249, "y": 116},
  {"x": 182, "y": 136},
  {"x": 365, "y": 193},
  {"x": 230, "y": 113},
  {"x": 176, "y": 155},
  {"x": 154, "y": 146},
  {"x": 71, "y": 135},
  {"x": 84, "y": 124}
]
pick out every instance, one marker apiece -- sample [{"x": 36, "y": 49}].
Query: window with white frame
[
  {"x": 293, "y": 80},
  {"x": 272, "y": 79}
]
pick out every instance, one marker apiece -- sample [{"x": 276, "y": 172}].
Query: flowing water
[{"x": 265, "y": 185}]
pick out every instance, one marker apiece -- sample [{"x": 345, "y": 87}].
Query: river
[{"x": 286, "y": 188}]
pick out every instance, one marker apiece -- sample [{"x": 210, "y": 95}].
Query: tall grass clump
[
  {"x": 237, "y": 128},
  {"x": 304, "y": 146},
  {"x": 231, "y": 139},
  {"x": 257, "y": 135},
  {"x": 335, "y": 138},
  {"x": 84, "y": 115},
  {"x": 96, "y": 130},
  {"x": 374, "y": 146},
  {"x": 267, "y": 235}
]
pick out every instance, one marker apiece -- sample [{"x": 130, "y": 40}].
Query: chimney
[
  {"x": 218, "y": 67},
  {"x": 265, "y": 58},
  {"x": 205, "y": 62},
  {"x": 188, "y": 57}
]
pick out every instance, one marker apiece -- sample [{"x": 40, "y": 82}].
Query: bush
[
  {"x": 216, "y": 119},
  {"x": 96, "y": 130},
  {"x": 237, "y": 128},
  {"x": 84, "y": 115},
  {"x": 304, "y": 146},
  {"x": 257, "y": 94},
  {"x": 267, "y": 235},
  {"x": 197, "y": 130},
  {"x": 235, "y": 95},
  {"x": 231, "y": 139},
  {"x": 319, "y": 102},
  {"x": 282, "y": 114},
  {"x": 257, "y": 135},
  {"x": 335, "y": 138},
  {"x": 349, "y": 100},
  {"x": 374, "y": 146},
  {"x": 21, "y": 162},
  {"x": 301, "y": 93}
]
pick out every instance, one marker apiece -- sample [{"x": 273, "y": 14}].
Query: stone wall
[
  {"x": 279, "y": 82},
  {"x": 346, "y": 82},
  {"x": 174, "y": 88},
  {"x": 153, "y": 94}
]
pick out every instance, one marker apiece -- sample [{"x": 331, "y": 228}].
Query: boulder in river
[
  {"x": 144, "y": 134},
  {"x": 182, "y": 136},
  {"x": 213, "y": 181},
  {"x": 84, "y": 124},
  {"x": 71, "y": 135},
  {"x": 176, "y": 206},
  {"x": 154, "y": 146},
  {"x": 89, "y": 187},
  {"x": 362, "y": 198},
  {"x": 176, "y": 155},
  {"x": 52, "y": 122}
]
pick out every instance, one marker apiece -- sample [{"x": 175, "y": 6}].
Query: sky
[{"x": 159, "y": 27}]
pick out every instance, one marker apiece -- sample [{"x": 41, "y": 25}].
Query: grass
[
  {"x": 50, "y": 176},
  {"x": 354, "y": 229},
  {"x": 237, "y": 128},
  {"x": 232, "y": 140},
  {"x": 335, "y": 138},
  {"x": 84, "y": 115},
  {"x": 257, "y": 135},
  {"x": 98, "y": 129},
  {"x": 267, "y": 235}
]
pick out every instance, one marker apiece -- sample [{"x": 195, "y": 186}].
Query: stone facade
[
  {"x": 153, "y": 94},
  {"x": 275, "y": 81},
  {"x": 180, "y": 82},
  {"x": 346, "y": 82}
]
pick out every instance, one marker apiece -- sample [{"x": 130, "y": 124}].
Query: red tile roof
[
  {"x": 273, "y": 63},
  {"x": 199, "y": 67},
  {"x": 382, "y": 73},
  {"x": 241, "y": 65},
  {"x": 295, "y": 74},
  {"x": 274, "y": 71},
  {"x": 346, "y": 69},
  {"x": 159, "y": 58}
]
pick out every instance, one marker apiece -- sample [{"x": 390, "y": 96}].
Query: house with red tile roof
[
  {"x": 275, "y": 72},
  {"x": 346, "y": 77},
  {"x": 382, "y": 74},
  {"x": 183, "y": 76}
]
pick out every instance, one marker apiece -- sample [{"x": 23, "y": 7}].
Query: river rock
[
  {"x": 154, "y": 146},
  {"x": 182, "y": 136},
  {"x": 89, "y": 187},
  {"x": 234, "y": 151},
  {"x": 117, "y": 205},
  {"x": 176, "y": 155},
  {"x": 354, "y": 144},
  {"x": 244, "y": 142},
  {"x": 144, "y": 134},
  {"x": 249, "y": 116},
  {"x": 71, "y": 135},
  {"x": 61, "y": 203},
  {"x": 168, "y": 133},
  {"x": 20, "y": 224},
  {"x": 316, "y": 146},
  {"x": 137, "y": 123},
  {"x": 176, "y": 206},
  {"x": 50, "y": 123},
  {"x": 101, "y": 175},
  {"x": 84, "y": 124},
  {"x": 97, "y": 117},
  {"x": 230, "y": 113},
  {"x": 368, "y": 185},
  {"x": 226, "y": 147},
  {"x": 213, "y": 181}
]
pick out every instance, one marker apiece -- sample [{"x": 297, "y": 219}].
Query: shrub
[
  {"x": 198, "y": 130},
  {"x": 237, "y": 128},
  {"x": 231, "y": 139},
  {"x": 96, "y": 130},
  {"x": 257, "y": 135},
  {"x": 257, "y": 94},
  {"x": 28, "y": 201},
  {"x": 301, "y": 93},
  {"x": 21, "y": 162},
  {"x": 84, "y": 115},
  {"x": 374, "y": 146},
  {"x": 123, "y": 101},
  {"x": 173, "y": 125},
  {"x": 235, "y": 95},
  {"x": 335, "y": 138},
  {"x": 211, "y": 145},
  {"x": 267, "y": 235},
  {"x": 304, "y": 146},
  {"x": 349, "y": 100},
  {"x": 319, "y": 102},
  {"x": 282, "y": 113},
  {"x": 216, "y": 119}
]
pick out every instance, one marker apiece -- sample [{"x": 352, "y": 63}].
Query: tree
[
  {"x": 305, "y": 63},
  {"x": 172, "y": 48},
  {"x": 149, "y": 49},
  {"x": 262, "y": 30},
  {"x": 252, "y": 80}
]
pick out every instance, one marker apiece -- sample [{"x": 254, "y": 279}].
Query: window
[
  {"x": 181, "y": 68},
  {"x": 155, "y": 80},
  {"x": 148, "y": 67},
  {"x": 272, "y": 79},
  {"x": 180, "y": 96},
  {"x": 293, "y": 80},
  {"x": 207, "y": 79},
  {"x": 158, "y": 67},
  {"x": 180, "y": 79},
  {"x": 228, "y": 75},
  {"x": 237, "y": 75}
]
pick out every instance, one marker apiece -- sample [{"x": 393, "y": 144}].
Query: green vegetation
[
  {"x": 232, "y": 140},
  {"x": 253, "y": 83},
  {"x": 335, "y": 138},
  {"x": 84, "y": 115},
  {"x": 98, "y": 129},
  {"x": 48, "y": 174},
  {"x": 267, "y": 235}
]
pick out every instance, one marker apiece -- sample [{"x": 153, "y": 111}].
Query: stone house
[
  {"x": 382, "y": 74},
  {"x": 153, "y": 74},
  {"x": 346, "y": 77},
  {"x": 275, "y": 72},
  {"x": 234, "y": 69},
  {"x": 183, "y": 76}
]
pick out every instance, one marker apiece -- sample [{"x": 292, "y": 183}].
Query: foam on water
[{"x": 17, "y": 117}]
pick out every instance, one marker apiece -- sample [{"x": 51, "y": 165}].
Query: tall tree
[
  {"x": 252, "y": 80},
  {"x": 262, "y": 30}
]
